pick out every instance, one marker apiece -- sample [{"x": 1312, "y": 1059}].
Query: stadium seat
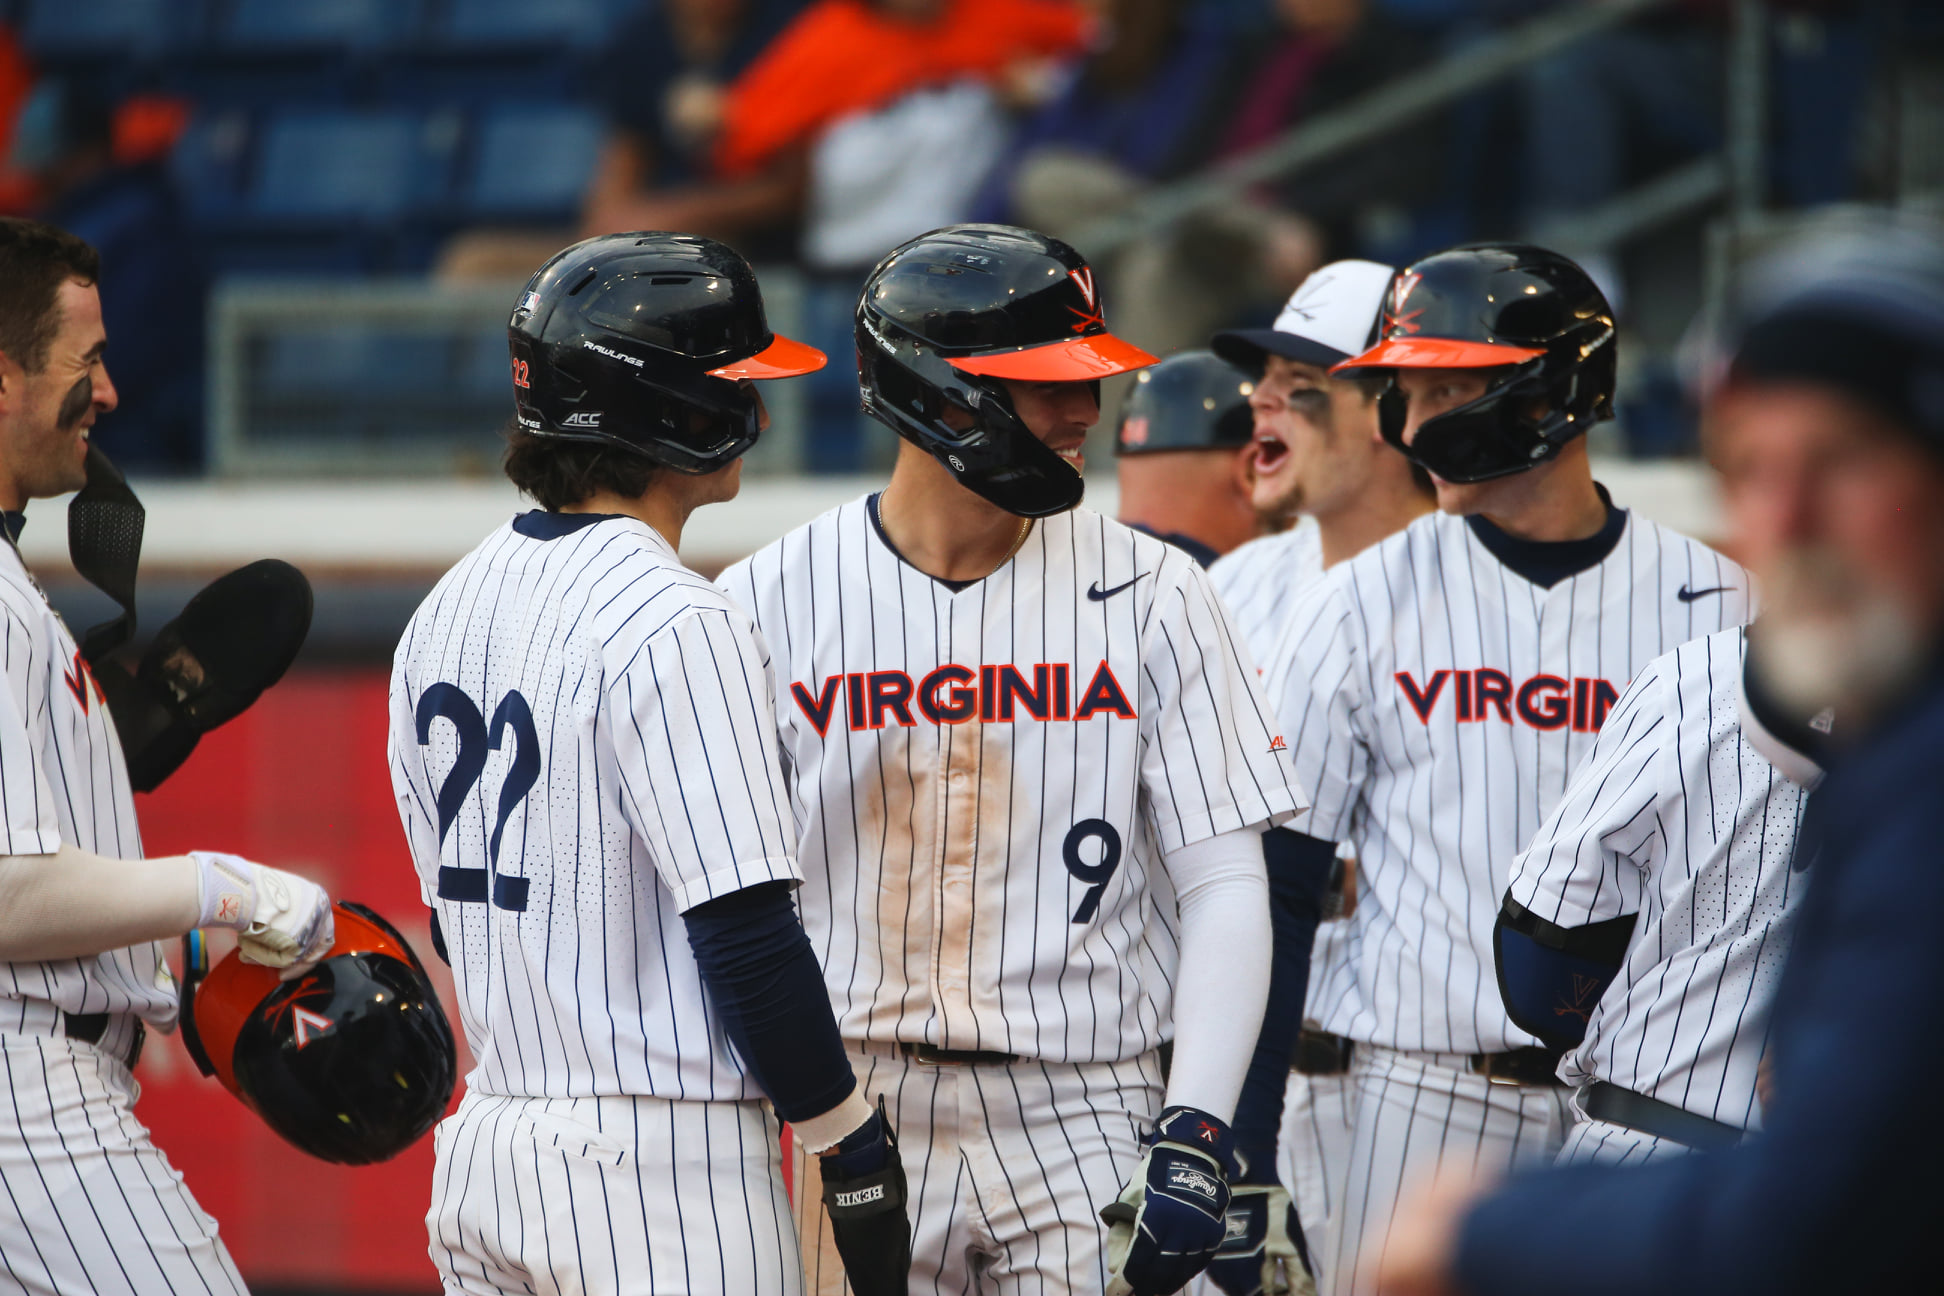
[
  {"x": 105, "y": 29},
  {"x": 300, "y": 25},
  {"x": 330, "y": 164},
  {"x": 531, "y": 162},
  {"x": 524, "y": 24}
]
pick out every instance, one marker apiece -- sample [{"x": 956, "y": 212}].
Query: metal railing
[{"x": 435, "y": 404}]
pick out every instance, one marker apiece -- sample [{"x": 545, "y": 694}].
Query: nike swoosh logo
[
  {"x": 1687, "y": 595},
  {"x": 1098, "y": 594}
]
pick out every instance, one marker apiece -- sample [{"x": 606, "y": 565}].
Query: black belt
[
  {"x": 927, "y": 1055},
  {"x": 1526, "y": 1066},
  {"x": 90, "y": 1027},
  {"x": 1319, "y": 1053},
  {"x": 1617, "y": 1106}
]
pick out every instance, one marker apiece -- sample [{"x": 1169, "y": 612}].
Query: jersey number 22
[{"x": 477, "y": 737}]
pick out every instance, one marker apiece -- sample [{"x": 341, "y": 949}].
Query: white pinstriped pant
[
  {"x": 604, "y": 1195},
  {"x": 87, "y": 1202},
  {"x": 1008, "y": 1168},
  {"x": 1415, "y": 1112}
]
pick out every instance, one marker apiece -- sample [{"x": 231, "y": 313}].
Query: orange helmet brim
[
  {"x": 1081, "y": 359},
  {"x": 782, "y": 358},
  {"x": 1437, "y": 353}
]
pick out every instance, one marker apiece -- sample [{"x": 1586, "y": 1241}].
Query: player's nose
[{"x": 105, "y": 395}]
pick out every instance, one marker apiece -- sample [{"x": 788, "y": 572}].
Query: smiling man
[
  {"x": 1031, "y": 767},
  {"x": 1438, "y": 688},
  {"x": 82, "y": 914}
]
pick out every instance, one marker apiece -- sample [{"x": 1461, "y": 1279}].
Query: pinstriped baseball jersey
[
  {"x": 1436, "y": 703},
  {"x": 985, "y": 779},
  {"x": 1259, "y": 581},
  {"x": 63, "y": 779},
  {"x": 582, "y": 746},
  {"x": 1674, "y": 817}
]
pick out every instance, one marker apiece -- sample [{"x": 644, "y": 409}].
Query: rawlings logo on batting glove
[
  {"x": 1263, "y": 1253},
  {"x": 1169, "y": 1220}
]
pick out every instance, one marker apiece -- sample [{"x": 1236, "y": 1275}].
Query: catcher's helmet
[
  {"x": 1497, "y": 305},
  {"x": 350, "y": 1062},
  {"x": 947, "y": 316},
  {"x": 1192, "y": 401},
  {"x": 640, "y": 340}
]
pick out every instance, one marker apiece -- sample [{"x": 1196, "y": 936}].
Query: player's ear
[{"x": 1242, "y": 472}]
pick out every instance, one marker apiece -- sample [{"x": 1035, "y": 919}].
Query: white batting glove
[{"x": 283, "y": 920}]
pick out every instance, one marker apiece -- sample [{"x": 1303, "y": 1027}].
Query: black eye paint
[{"x": 75, "y": 405}]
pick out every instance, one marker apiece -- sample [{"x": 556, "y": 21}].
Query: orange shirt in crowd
[{"x": 845, "y": 56}]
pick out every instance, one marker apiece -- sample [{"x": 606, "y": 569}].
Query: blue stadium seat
[
  {"x": 331, "y": 164},
  {"x": 96, "y": 29},
  {"x": 302, "y": 25},
  {"x": 532, "y": 162},
  {"x": 525, "y": 24}
]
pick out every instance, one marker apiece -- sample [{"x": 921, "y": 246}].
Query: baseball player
[
  {"x": 587, "y": 774},
  {"x": 89, "y": 1204},
  {"x": 1438, "y": 688},
  {"x": 1182, "y": 453},
  {"x": 1031, "y": 768},
  {"x": 1675, "y": 845},
  {"x": 1320, "y": 459}
]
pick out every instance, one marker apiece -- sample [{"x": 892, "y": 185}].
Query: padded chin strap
[{"x": 105, "y": 523}]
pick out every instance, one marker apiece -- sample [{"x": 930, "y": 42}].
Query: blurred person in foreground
[
  {"x": 1184, "y": 455},
  {"x": 1829, "y": 434},
  {"x": 82, "y": 913}
]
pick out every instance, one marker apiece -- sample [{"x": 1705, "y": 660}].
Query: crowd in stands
[{"x": 468, "y": 139}]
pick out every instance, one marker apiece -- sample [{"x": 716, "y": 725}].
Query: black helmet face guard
[
  {"x": 1493, "y": 305},
  {"x": 605, "y": 391},
  {"x": 907, "y": 386},
  {"x": 1525, "y": 419},
  {"x": 946, "y": 319}
]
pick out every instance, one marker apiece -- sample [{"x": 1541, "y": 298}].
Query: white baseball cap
[{"x": 1328, "y": 320}]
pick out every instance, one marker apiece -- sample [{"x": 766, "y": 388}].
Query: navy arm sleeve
[
  {"x": 1299, "y": 874},
  {"x": 764, "y": 982},
  {"x": 1551, "y": 977}
]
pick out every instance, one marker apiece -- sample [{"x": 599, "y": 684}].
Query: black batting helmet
[
  {"x": 1531, "y": 312},
  {"x": 641, "y": 341},
  {"x": 1192, "y": 401},
  {"x": 946, "y": 317},
  {"x": 351, "y": 1062}
]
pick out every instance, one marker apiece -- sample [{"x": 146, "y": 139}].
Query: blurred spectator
[
  {"x": 898, "y": 106},
  {"x": 16, "y": 84},
  {"x": 1088, "y": 155},
  {"x": 1621, "y": 107},
  {"x": 893, "y": 112},
  {"x": 99, "y": 168},
  {"x": 662, "y": 82}
]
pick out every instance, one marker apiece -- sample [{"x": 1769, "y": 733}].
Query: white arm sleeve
[
  {"x": 71, "y": 904},
  {"x": 1222, "y": 985}
]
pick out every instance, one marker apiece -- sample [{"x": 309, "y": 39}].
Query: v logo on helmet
[
  {"x": 1083, "y": 277},
  {"x": 1395, "y": 318},
  {"x": 304, "y": 1022}
]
